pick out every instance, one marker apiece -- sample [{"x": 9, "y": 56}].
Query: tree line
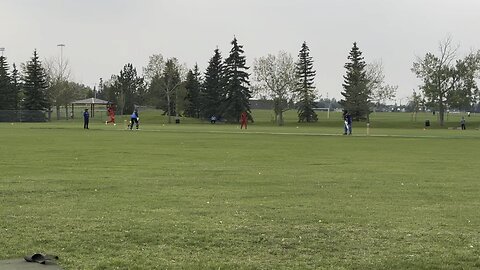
[
  {"x": 225, "y": 89},
  {"x": 448, "y": 82},
  {"x": 38, "y": 86}
]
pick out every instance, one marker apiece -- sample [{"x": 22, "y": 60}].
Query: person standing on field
[
  {"x": 134, "y": 119},
  {"x": 347, "y": 123},
  {"x": 86, "y": 119},
  {"x": 243, "y": 120},
  {"x": 111, "y": 115},
  {"x": 462, "y": 123}
]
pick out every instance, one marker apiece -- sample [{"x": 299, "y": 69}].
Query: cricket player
[{"x": 134, "y": 119}]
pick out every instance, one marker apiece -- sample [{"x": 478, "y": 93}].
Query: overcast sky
[{"x": 101, "y": 36}]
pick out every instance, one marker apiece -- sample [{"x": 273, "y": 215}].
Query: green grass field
[{"x": 202, "y": 196}]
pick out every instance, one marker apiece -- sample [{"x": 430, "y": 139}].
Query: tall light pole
[
  {"x": 61, "y": 52},
  {"x": 2, "y": 49},
  {"x": 329, "y": 105},
  {"x": 60, "y": 77},
  {"x": 62, "y": 66}
]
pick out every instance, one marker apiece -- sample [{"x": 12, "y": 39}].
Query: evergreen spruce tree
[
  {"x": 127, "y": 87},
  {"x": 193, "y": 88},
  {"x": 304, "y": 86},
  {"x": 213, "y": 87},
  {"x": 356, "y": 94},
  {"x": 35, "y": 85},
  {"x": 6, "y": 102},
  {"x": 238, "y": 94},
  {"x": 16, "y": 87}
]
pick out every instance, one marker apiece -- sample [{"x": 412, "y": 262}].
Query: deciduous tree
[
  {"x": 275, "y": 79},
  {"x": 154, "y": 68},
  {"x": 58, "y": 72},
  {"x": 448, "y": 81},
  {"x": 380, "y": 91},
  {"x": 166, "y": 87},
  {"x": 414, "y": 104}
]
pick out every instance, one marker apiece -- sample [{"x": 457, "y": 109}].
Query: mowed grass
[{"x": 201, "y": 196}]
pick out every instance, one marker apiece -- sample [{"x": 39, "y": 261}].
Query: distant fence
[
  {"x": 66, "y": 114},
  {"x": 23, "y": 116}
]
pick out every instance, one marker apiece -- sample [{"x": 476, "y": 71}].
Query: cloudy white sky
[{"x": 101, "y": 36}]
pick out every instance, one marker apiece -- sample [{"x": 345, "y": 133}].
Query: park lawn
[{"x": 201, "y": 196}]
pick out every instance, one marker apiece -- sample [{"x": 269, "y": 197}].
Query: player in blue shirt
[
  {"x": 347, "y": 118},
  {"x": 86, "y": 118},
  {"x": 134, "y": 119},
  {"x": 349, "y": 122}
]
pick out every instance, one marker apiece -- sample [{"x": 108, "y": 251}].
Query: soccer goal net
[{"x": 323, "y": 110}]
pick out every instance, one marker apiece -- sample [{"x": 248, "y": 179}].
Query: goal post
[{"x": 323, "y": 110}]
